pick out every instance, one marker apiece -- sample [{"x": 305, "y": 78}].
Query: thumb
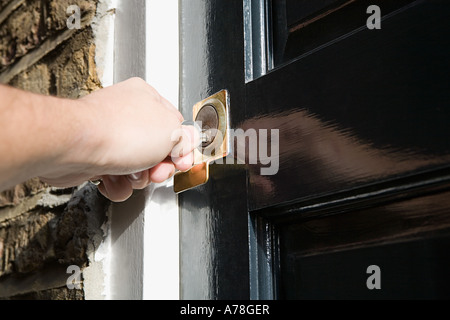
[{"x": 188, "y": 138}]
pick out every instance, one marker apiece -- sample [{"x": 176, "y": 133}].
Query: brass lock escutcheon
[{"x": 212, "y": 117}]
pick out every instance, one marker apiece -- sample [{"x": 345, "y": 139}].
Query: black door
[{"x": 359, "y": 206}]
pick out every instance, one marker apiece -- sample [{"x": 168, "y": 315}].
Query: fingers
[
  {"x": 187, "y": 138},
  {"x": 116, "y": 188},
  {"x": 162, "y": 171},
  {"x": 120, "y": 188},
  {"x": 182, "y": 155},
  {"x": 184, "y": 163},
  {"x": 139, "y": 180}
]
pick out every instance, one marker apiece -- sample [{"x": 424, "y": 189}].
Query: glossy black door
[{"x": 363, "y": 174}]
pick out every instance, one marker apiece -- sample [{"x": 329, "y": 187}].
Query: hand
[{"x": 129, "y": 142}]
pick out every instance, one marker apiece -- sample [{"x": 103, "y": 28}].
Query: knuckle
[{"x": 136, "y": 80}]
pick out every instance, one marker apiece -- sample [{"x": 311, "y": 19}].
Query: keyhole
[
  {"x": 210, "y": 124},
  {"x": 207, "y": 135}
]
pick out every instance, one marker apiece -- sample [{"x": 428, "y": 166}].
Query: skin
[{"x": 124, "y": 135}]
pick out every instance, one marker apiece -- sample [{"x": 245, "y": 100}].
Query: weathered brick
[
  {"x": 37, "y": 79},
  {"x": 15, "y": 195},
  {"x": 21, "y": 32},
  {"x": 57, "y": 12},
  {"x": 52, "y": 294},
  {"x": 26, "y": 244},
  {"x": 61, "y": 234},
  {"x": 74, "y": 67},
  {"x": 34, "y": 22},
  {"x": 4, "y": 3}
]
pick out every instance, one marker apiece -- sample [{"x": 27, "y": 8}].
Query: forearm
[
  {"x": 114, "y": 132},
  {"x": 36, "y": 134}
]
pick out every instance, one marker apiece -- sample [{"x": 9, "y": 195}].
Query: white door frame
[{"x": 144, "y": 232}]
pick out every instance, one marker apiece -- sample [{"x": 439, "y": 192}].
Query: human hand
[{"x": 130, "y": 141}]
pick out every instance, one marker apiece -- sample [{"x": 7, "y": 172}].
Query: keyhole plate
[{"x": 213, "y": 112}]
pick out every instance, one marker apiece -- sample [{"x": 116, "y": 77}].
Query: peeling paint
[{"x": 103, "y": 28}]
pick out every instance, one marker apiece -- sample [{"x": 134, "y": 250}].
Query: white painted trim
[
  {"x": 103, "y": 28},
  {"x": 161, "y": 228},
  {"x": 140, "y": 257},
  {"x": 127, "y": 219},
  {"x": 144, "y": 231}
]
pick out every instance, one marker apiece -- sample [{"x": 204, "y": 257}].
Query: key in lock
[{"x": 212, "y": 115}]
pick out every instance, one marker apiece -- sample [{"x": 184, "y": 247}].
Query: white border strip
[
  {"x": 161, "y": 228},
  {"x": 127, "y": 218}
]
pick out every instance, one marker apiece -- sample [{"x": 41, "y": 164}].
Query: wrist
[
  {"x": 72, "y": 136},
  {"x": 85, "y": 138}
]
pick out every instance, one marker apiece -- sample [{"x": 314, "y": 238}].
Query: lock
[
  {"x": 212, "y": 116},
  {"x": 208, "y": 117}
]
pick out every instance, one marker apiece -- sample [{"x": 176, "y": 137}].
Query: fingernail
[
  {"x": 135, "y": 176},
  {"x": 187, "y": 160}
]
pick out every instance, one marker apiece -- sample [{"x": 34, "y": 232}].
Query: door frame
[{"x": 144, "y": 229}]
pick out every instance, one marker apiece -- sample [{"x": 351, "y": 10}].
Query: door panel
[
  {"x": 410, "y": 270},
  {"x": 301, "y": 26},
  {"x": 364, "y": 157},
  {"x": 367, "y": 108},
  {"x": 338, "y": 249}
]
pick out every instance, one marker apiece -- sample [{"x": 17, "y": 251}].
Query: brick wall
[{"x": 43, "y": 230}]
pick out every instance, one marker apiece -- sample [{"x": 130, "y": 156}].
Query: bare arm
[{"x": 122, "y": 134}]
